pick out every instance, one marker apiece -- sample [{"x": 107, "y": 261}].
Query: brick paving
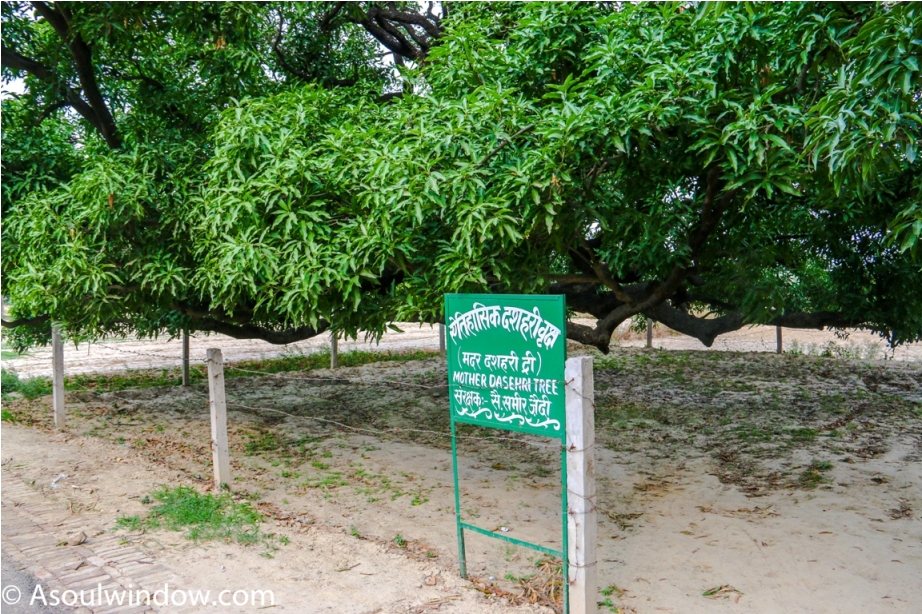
[{"x": 33, "y": 530}]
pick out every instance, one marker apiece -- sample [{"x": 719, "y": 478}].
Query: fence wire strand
[{"x": 378, "y": 432}]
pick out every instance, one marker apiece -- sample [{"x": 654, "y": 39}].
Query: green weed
[
  {"x": 203, "y": 517},
  {"x": 32, "y": 388},
  {"x": 803, "y": 434},
  {"x": 612, "y": 589},
  {"x": 813, "y": 476},
  {"x": 265, "y": 441}
]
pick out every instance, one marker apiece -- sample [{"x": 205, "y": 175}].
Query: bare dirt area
[{"x": 728, "y": 482}]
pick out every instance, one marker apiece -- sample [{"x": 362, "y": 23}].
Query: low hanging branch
[
  {"x": 648, "y": 296},
  {"x": 249, "y": 331},
  {"x": 584, "y": 298},
  {"x": 37, "y": 321}
]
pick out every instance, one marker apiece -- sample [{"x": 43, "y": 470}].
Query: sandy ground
[
  {"x": 794, "y": 482},
  {"x": 321, "y": 570},
  {"x": 124, "y": 354}
]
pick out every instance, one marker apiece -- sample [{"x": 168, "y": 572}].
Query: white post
[
  {"x": 334, "y": 351},
  {"x": 442, "y": 340},
  {"x": 780, "y": 347},
  {"x": 581, "y": 534},
  {"x": 185, "y": 358},
  {"x": 649, "y": 333},
  {"x": 220, "y": 454},
  {"x": 57, "y": 376}
]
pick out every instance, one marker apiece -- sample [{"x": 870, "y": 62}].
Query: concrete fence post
[
  {"x": 220, "y": 453},
  {"x": 185, "y": 358},
  {"x": 57, "y": 377}
]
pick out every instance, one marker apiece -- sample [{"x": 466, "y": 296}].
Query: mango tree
[{"x": 708, "y": 167}]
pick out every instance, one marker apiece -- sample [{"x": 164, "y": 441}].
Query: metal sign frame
[{"x": 499, "y": 320}]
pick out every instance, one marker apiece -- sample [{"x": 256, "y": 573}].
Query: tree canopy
[{"x": 271, "y": 170}]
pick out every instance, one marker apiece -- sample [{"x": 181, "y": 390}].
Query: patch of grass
[
  {"x": 813, "y": 476},
  {"x": 129, "y": 523},
  {"x": 265, "y": 441},
  {"x": 400, "y": 541},
  {"x": 203, "y": 517},
  {"x": 321, "y": 360},
  {"x": 541, "y": 472},
  {"x": 752, "y": 433},
  {"x": 803, "y": 434},
  {"x": 8, "y": 416},
  {"x": 328, "y": 482},
  {"x": 612, "y": 589},
  {"x": 132, "y": 379},
  {"x": 32, "y": 388}
]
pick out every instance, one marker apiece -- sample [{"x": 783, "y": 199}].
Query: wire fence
[
  {"x": 554, "y": 445},
  {"x": 385, "y": 431},
  {"x": 136, "y": 353}
]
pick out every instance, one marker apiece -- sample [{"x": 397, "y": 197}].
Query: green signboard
[
  {"x": 506, "y": 356},
  {"x": 506, "y": 360}
]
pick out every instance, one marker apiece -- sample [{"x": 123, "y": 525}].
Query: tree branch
[
  {"x": 382, "y": 23},
  {"x": 574, "y": 279},
  {"x": 326, "y": 22},
  {"x": 83, "y": 61},
  {"x": 706, "y": 330},
  {"x": 644, "y": 297},
  {"x": 37, "y": 321},
  {"x": 584, "y": 298},
  {"x": 50, "y": 109},
  {"x": 249, "y": 331},
  {"x": 504, "y": 144},
  {"x": 430, "y": 25},
  {"x": 11, "y": 59}
]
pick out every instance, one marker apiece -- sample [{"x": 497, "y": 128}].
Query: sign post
[
  {"x": 506, "y": 362},
  {"x": 582, "y": 574}
]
